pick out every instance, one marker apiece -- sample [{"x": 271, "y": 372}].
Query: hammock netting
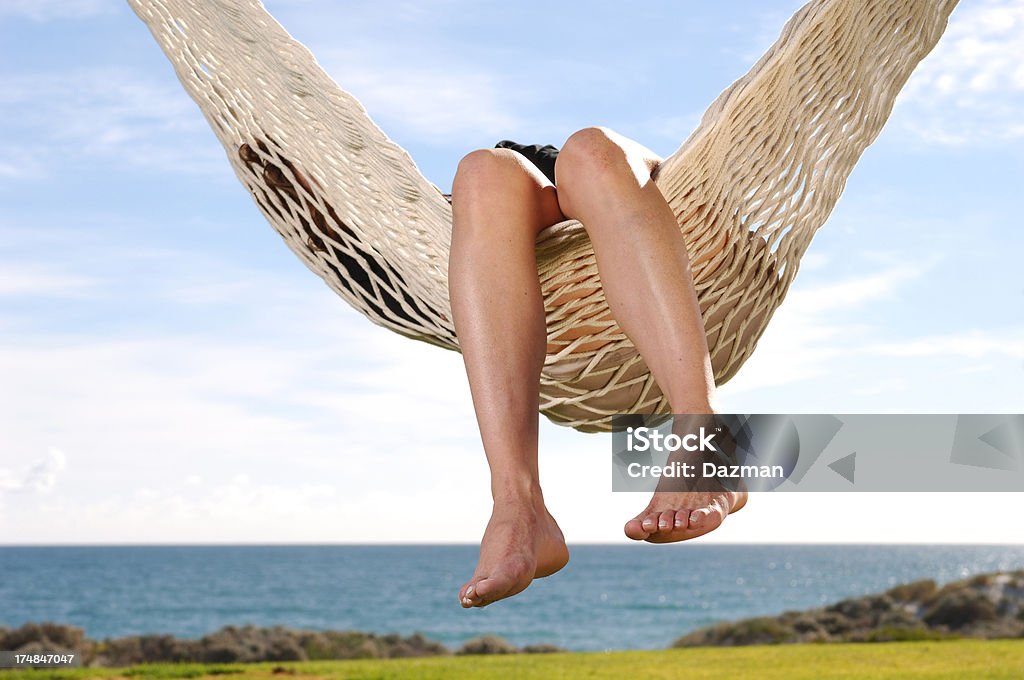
[{"x": 749, "y": 187}]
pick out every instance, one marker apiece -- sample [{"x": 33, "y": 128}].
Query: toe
[
  {"x": 467, "y": 595},
  {"x": 698, "y": 518},
  {"x": 682, "y": 519},
  {"x": 707, "y": 519},
  {"x": 650, "y": 522},
  {"x": 667, "y": 520},
  {"x": 634, "y": 529},
  {"x": 486, "y": 591}
]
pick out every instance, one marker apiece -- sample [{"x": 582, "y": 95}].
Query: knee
[
  {"x": 491, "y": 182},
  {"x": 587, "y": 155},
  {"x": 481, "y": 172}
]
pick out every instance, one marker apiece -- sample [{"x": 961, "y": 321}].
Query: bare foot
[
  {"x": 683, "y": 508},
  {"x": 522, "y": 542},
  {"x": 680, "y": 515}
]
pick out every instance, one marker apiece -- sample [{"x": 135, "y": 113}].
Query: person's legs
[
  {"x": 499, "y": 203},
  {"x": 604, "y": 181}
]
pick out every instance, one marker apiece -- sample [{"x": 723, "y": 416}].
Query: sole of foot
[{"x": 518, "y": 546}]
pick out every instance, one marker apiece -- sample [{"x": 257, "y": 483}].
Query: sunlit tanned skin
[{"x": 500, "y": 202}]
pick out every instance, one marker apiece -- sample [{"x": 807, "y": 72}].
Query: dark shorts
[{"x": 541, "y": 156}]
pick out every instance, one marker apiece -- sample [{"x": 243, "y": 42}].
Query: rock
[
  {"x": 960, "y": 609},
  {"x": 914, "y": 591},
  {"x": 488, "y": 644},
  {"x": 985, "y": 606},
  {"x": 760, "y": 631},
  {"x": 55, "y": 636},
  {"x": 232, "y": 644},
  {"x": 417, "y": 645}
]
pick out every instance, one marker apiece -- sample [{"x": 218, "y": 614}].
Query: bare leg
[
  {"x": 604, "y": 181},
  {"x": 500, "y": 202}
]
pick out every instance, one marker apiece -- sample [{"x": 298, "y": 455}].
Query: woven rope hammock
[{"x": 750, "y": 186}]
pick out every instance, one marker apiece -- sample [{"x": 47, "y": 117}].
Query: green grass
[{"x": 945, "y": 659}]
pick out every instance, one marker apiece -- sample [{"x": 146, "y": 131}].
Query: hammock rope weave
[{"x": 749, "y": 187}]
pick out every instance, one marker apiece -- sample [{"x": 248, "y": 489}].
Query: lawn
[{"x": 945, "y": 659}]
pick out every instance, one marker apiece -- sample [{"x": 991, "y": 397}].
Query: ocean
[{"x": 609, "y": 597}]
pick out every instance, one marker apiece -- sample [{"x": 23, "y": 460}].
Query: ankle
[
  {"x": 695, "y": 405},
  {"x": 518, "y": 492},
  {"x": 695, "y": 400}
]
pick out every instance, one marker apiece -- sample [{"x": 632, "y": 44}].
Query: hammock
[{"x": 749, "y": 187}]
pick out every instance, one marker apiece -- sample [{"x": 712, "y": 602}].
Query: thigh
[{"x": 540, "y": 190}]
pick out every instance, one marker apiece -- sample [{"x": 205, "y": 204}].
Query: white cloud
[
  {"x": 970, "y": 90},
  {"x": 805, "y": 336},
  {"x": 857, "y": 290},
  {"x": 427, "y": 100},
  {"x": 812, "y": 261},
  {"x": 882, "y": 386},
  {"x": 33, "y": 279},
  {"x": 39, "y": 477},
  {"x": 815, "y": 334},
  {"x": 302, "y": 422},
  {"x": 113, "y": 114},
  {"x": 853, "y": 518},
  {"x": 249, "y": 437},
  {"x": 973, "y": 344},
  {"x": 305, "y": 425},
  {"x": 17, "y": 164}
]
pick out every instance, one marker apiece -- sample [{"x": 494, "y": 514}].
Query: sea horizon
[
  {"x": 610, "y": 596},
  {"x": 269, "y": 544}
]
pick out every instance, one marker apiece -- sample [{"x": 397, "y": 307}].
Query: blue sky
[{"x": 170, "y": 372}]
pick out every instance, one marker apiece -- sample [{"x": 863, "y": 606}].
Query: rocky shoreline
[
  {"x": 986, "y": 606},
  {"x": 242, "y": 644}
]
